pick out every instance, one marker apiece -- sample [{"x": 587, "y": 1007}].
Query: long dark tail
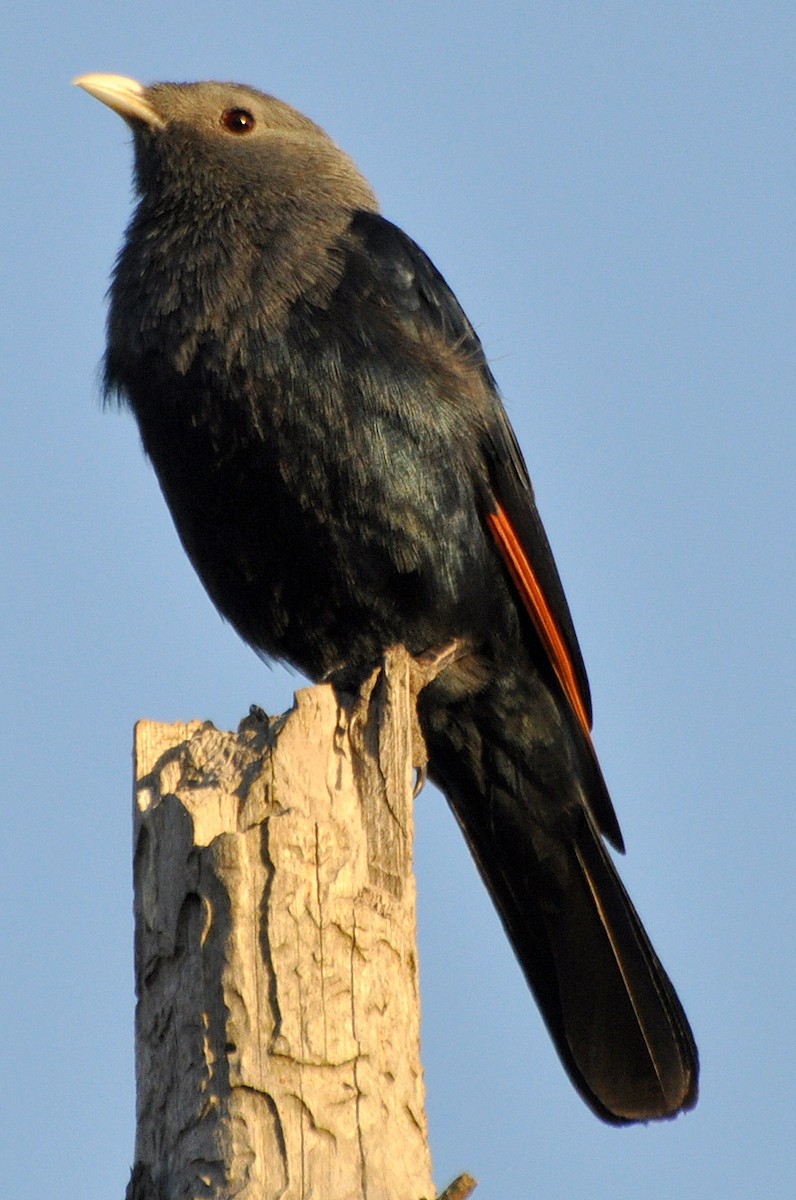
[{"x": 609, "y": 1006}]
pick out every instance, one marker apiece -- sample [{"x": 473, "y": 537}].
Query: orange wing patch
[{"x": 544, "y": 622}]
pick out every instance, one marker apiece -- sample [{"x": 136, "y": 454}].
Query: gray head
[
  {"x": 231, "y": 138},
  {"x": 242, "y": 201}
]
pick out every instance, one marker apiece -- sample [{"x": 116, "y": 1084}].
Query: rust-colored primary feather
[{"x": 539, "y": 611}]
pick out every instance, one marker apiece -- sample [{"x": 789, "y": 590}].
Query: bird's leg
[{"x": 422, "y": 670}]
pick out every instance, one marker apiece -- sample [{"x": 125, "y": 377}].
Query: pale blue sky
[{"x": 609, "y": 188}]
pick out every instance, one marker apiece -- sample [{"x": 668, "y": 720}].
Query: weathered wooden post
[{"x": 278, "y": 1017}]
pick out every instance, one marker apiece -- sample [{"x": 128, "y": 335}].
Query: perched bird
[{"x": 331, "y": 444}]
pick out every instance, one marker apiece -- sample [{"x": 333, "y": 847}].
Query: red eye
[{"x": 238, "y": 120}]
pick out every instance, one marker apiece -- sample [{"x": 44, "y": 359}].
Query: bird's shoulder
[{"x": 387, "y": 270}]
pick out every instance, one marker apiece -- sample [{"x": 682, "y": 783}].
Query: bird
[{"x": 335, "y": 454}]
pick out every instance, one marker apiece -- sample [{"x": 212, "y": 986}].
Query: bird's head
[{"x": 229, "y": 138}]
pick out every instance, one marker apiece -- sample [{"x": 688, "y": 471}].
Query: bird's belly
[{"x": 322, "y": 586}]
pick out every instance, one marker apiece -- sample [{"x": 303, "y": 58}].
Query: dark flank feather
[{"x": 341, "y": 471}]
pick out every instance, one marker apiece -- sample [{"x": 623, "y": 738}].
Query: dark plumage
[{"x": 342, "y": 474}]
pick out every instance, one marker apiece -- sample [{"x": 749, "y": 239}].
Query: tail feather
[
  {"x": 622, "y": 1020},
  {"x": 611, "y": 1010}
]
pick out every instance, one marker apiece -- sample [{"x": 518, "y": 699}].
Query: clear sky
[{"x": 609, "y": 188}]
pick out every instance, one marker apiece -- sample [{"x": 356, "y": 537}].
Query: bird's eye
[{"x": 238, "y": 120}]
